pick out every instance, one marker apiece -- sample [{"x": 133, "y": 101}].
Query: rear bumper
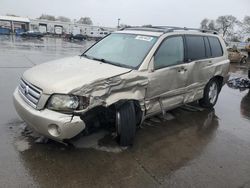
[{"x": 44, "y": 121}]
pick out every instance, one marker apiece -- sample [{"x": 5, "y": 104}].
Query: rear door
[{"x": 202, "y": 58}]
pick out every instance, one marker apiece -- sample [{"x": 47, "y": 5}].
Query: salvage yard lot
[{"x": 192, "y": 148}]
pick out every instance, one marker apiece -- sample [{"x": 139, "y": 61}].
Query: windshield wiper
[
  {"x": 84, "y": 55},
  {"x": 100, "y": 59},
  {"x": 94, "y": 58},
  {"x": 112, "y": 63}
]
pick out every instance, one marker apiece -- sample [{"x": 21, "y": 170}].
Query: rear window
[
  {"x": 195, "y": 48},
  {"x": 215, "y": 47}
]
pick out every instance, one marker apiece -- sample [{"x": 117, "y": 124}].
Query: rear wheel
[
  {"x": 211, "y": 93},
  {"x": 126, "y": 124}
]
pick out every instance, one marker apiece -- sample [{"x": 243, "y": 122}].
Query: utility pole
[{"x": 118, "y": 25}]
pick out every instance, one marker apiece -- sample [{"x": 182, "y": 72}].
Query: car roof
[
  {"x": 160, "y": 30},
  {"x": 150, "y": 33}
]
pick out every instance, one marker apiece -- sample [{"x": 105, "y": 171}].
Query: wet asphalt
[{"x": 193, "y": 148}]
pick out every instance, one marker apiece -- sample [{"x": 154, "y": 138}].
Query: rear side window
[
  {"x": 215, "y": 46},
  {"x": 171, "y": 52},
  {"x": 195, "y": 48},
  {"x": 208, "y": 49}
]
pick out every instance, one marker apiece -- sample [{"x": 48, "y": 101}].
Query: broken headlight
[{"x": 67, "y": 103}]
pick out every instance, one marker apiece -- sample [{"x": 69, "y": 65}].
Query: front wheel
[
  {"x": 126, "y": 124},
  {"x": 211, "y": 93}
]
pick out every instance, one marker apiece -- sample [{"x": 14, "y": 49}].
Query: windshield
[{"x": 125, "y": 50}]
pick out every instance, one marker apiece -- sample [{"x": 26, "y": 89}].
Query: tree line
[
  {"x": 229, "y": 26},
  {"x": 82, "y": 20}
]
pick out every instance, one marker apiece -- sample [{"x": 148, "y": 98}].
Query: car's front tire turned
[
  {"x": 211, "y": 93},
  {"x": 126, "y": 124}
]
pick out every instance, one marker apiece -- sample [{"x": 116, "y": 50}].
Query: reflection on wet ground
[
  {"x": 193, "y": 148},
  {"x": 245, "y": 106}
]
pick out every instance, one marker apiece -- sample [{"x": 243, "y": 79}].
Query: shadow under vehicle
[{"x": 161, "y": 148}]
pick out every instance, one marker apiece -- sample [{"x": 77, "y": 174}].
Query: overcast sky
[{"x": 186, "y": 13}]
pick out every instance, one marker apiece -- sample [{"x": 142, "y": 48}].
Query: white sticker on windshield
[{"x": 145, "y": 38}]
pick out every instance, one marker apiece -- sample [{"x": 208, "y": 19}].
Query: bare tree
[
  {"x": 236, "y": 37},
  {"x": 147, "y": 25},
  {"x": 246, "y": 24},
  {"x": 204, "y": 23},
  {"x": 47, "y": 17},
  {"x": 208, "y": 24},
  {"x": 124, "y": 25},
  {"x": 85, "y": 20},
  {"x": 212, "y": 26},
  {"x": 63, "y": 19},
  {"x": 12, "y": 15},
  {"x": 226, "y": 24}
]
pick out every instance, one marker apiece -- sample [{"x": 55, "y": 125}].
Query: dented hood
[{"x": 64, "y": 75}]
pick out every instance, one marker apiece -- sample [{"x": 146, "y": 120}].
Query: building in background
[
  {"x": 16, "y": 25},
  {"x": 13, "y": 24},
  {"x": 59, "y": 28}
]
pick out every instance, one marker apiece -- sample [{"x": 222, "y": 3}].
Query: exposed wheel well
[{"x": 101, "y": 116}]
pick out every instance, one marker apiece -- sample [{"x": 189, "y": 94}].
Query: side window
[
  {"x": 208, "y": 49},
  {"x": 171, "y": 52},
  {"x": 215, "y": 46},
  {"x": 195, "y": 48}
]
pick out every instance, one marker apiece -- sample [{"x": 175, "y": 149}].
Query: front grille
[{"x": 29, "y": 93}]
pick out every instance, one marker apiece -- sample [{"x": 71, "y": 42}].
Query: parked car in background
[
  {"x": 75, "y": 37},
  {"x": 123, "y": 79},
  {"x": 31, "y": 34},
  {"x": 237, "y": 56},
  {"x": 5, "y": 31},
  {"x": 79, "y": 37},
  {"x": 248, "y": 48}
]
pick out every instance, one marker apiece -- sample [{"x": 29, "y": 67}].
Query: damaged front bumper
[{"x": 55, "y": 125}]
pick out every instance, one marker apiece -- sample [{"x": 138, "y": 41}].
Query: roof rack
[{"x": 167, "y": 29}]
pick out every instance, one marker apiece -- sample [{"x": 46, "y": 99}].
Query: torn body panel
[{"x": 129, "y": 86}]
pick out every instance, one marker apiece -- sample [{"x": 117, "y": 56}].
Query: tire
[
  {"x": 211, "y": 93},
  {"x": 126, "y": 124}
]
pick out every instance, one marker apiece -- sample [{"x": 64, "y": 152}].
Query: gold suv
[{"x": 126, "y": 77}]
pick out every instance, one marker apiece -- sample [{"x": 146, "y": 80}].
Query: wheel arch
[{"x": 219, "y": 80}]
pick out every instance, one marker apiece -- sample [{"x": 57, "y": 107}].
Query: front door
[{"x": 167, "y": 83}]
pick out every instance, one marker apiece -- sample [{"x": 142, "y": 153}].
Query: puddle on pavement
[
  {"x": 245, "y": 106},
  {"x": 22, "y": 145},
  {"x": 25, "y": 138},
  {"x": 102, "y": 141}
]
